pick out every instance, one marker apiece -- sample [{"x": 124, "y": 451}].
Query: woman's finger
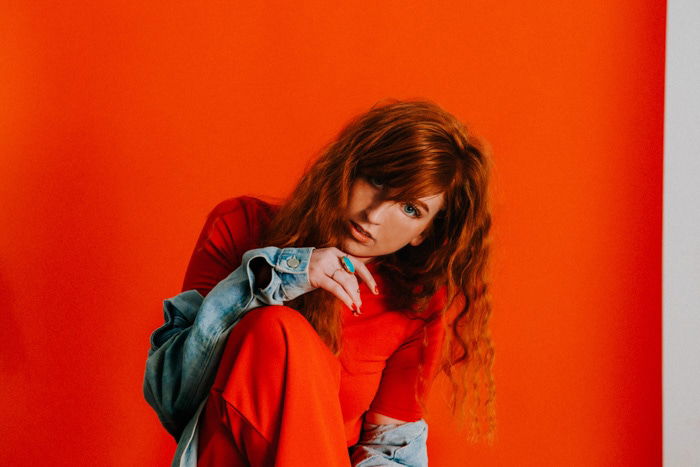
[
  {"x": 336, "y": 289},
  {"x": 362, "y": 271},
  {"x": 349, "y": 283}
]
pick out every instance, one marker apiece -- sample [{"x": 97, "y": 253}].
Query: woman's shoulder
[
  {"x": 233, "y": 227},
  {"x": 243, "y": 214}
]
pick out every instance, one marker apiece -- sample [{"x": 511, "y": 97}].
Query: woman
[{"x": 379, "y": 259}]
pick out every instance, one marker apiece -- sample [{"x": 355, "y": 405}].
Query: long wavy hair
[{"x": 419, "y": 150}]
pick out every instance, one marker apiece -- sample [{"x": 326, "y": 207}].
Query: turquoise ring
[{"x": 347, "y": 264}]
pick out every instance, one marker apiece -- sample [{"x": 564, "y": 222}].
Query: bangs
[{"x": 410, "y": 178}]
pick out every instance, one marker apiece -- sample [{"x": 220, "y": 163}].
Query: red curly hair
[{"x": 419, "y": 150}]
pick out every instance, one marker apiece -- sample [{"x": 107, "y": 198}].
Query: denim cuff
[
  {"x": 289, "y": 269},
  {"x": 292, "y": 267}
]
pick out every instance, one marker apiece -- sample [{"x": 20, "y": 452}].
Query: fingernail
[{"x": 376, "y": 290}]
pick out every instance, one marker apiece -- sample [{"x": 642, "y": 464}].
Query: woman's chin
[{"x": 352, "y": 247}]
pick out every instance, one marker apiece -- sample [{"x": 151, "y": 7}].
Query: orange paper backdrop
[{"x": 123, "y": 123}]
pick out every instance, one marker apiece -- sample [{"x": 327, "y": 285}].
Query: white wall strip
[{"x": 681, "y": 237}]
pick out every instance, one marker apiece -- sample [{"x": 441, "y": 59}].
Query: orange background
[{"x": 123, "y": 123}]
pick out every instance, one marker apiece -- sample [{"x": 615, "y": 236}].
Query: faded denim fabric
[
  {"x": 391, "y": 445},
  {"x": 186, "y": 350}
]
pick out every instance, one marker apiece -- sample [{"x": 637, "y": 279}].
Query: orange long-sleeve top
[{"x": 388, "y": 360}]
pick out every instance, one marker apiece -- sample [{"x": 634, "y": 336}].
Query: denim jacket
[{"x": 185, "y": 353}]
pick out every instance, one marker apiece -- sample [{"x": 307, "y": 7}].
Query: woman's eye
[
  {"x": 411, "y": 210},
  {"x": 378, "y": 182}
]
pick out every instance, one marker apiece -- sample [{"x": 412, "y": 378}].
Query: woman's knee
[
  {"x": 274, "y": 319},
  {"x": 259, "y": 338},
  {"x": 280, "y": 329},
  {"x": 269, "y": 342}
]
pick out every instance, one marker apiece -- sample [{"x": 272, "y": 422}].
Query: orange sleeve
[
  {"x": 409, "y": 371},
  {"x": 231, "y": 229}
]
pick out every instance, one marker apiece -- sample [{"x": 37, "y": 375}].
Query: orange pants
[{"x": 275, "y": 398}]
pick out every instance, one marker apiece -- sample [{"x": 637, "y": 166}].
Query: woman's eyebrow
[{"x": 422, "y": 205}]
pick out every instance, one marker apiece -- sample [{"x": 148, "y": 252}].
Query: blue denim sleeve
[
  {"x": 392, "y": 445},
  {"x": 186, "y": 350}
]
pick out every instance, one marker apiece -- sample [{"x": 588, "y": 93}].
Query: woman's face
[{"x": 377, "y": 226}]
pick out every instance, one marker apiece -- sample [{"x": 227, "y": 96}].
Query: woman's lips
[{"x": 359, "y": 233}]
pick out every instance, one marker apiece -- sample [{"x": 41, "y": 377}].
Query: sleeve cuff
[
  {"x": 292, "y": 267},
  {"x": 290, "y": 273}
]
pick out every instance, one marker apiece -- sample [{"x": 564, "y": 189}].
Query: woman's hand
[{"x": 326, "y": 272}]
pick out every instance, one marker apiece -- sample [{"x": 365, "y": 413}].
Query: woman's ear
[{"x": 418, "y": 239}]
